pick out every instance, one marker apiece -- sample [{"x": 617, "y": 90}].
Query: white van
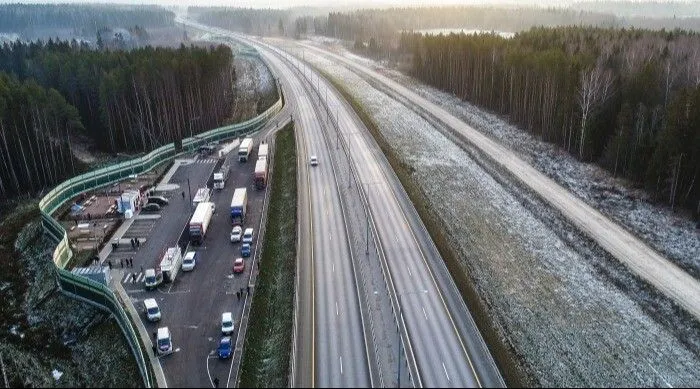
[
  {"x": 165, "y": 344},
  {"x": 150, "y": 306},
  {"x": 227, "y": 323},
  {"x": 189, "y": 261}
]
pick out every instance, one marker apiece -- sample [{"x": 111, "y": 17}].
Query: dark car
[
  {"x": 224, "y": 349},
  {"x": 160, "y": 200},
  {"x": 150, "y": 207}
]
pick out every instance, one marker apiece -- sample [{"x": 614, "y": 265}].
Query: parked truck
[
  {"x": 221, "y": 176},
  {"x": 244, "y": 149},
  {"x": 263, "y": 150},
  {"x": 167, "y": 268},
  {"x": 260, "y": 175},
  {"x": 199, "y": 224},
  {"x": 239, "y": 203},
  {"x": 202, "y": 195}
]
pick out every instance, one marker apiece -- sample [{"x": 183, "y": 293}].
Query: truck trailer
[
  {"x": 263, "y": 151},
  {"x": 244, "y": 149},
  {"x": 239, "y": 203},
  {"x": 202, "y": 195},
  {"x": 221, "y": 176},
  {"x": 260, "y": 175},
  {"x": 199, "y": 224}
]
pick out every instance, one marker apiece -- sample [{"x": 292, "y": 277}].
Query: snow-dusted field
[{"x": 573, "y": 317}]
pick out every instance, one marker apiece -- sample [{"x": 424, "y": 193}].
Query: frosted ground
[{"x": 571, "y": 315}]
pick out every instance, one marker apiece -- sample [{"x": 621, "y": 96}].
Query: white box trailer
[
  {"x": 202, "y": 195},
  {"x": 239, "y": 203},
  {"x": 244, "y": 149},
  {"x": 199, "y": 224},
  {"x": 260, "y": 175},
  {"x": 170, "y": 263},
  {"x": 263, "y": 151}
]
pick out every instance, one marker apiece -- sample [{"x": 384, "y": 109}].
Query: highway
[
  {"x": 338, "y": 348},
  {"x": 434, "y": 341},
  {"x": 639, "y": 257},
  {"x": 436, "y": 352}
]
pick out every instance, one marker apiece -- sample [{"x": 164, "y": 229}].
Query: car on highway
[
  {"x": 227, "y": 323},
  {"x": 165, "y": 344},
  {"x": 238, "y": 265},
  {"x": 150, "y": 307},
  {"x": 150, "y": 207},
  {"x": 224, "y": 349},
  {"x": 245, "y": 250},
  {"x": 189, "y": 261},
  {"x": 236, "y": 234},
  {"x": 248, "y": 235},
  {"x": 313, "y": 160},
  {"x": 160, "y": 200}
]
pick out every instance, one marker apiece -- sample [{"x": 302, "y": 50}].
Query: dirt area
[{"x": 46, "y": 338}]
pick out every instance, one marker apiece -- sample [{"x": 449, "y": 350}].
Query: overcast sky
[{"x": 292, "y": 3}]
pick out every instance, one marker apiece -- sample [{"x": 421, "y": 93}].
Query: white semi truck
[
  {"x": 239, "y": 203},
  {"x": 221, "y": 176},
  {"x": 202, "y": 195},
  {"x": 199, "y": 224},
  {"x": 167, "y": 269},
  {"x": 244, "y": 149}
]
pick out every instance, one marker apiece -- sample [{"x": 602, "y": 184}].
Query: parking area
[{"x": 193, "y": 303}]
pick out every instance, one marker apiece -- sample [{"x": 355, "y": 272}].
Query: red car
[{"x": 238, "y": 265}]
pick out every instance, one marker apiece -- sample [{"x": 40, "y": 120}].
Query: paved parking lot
[{"x": 192, "y": 305}]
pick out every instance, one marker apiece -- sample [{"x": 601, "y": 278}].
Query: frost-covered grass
[
  {"x": 42, "y": 330},
  {"x": 570, "y": 315},
  {"x": 269, "y": 336}
]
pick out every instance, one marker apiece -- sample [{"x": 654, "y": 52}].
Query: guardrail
[{"x": 98, "y": 294}]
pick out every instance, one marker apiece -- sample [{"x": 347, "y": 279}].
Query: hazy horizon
[{"x": 315, "y": 3}]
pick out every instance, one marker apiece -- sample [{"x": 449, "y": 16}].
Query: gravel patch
[{"x": 572, "y": 316}]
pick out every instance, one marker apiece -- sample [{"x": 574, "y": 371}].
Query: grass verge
[
  {"x": 269, "y": 338},
  {"x": 504, "y": 355}
]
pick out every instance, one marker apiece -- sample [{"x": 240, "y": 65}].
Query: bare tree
[{"x": 594, "y": 90}]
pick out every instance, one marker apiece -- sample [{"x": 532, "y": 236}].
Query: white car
[
  {"x": 227, "y": 323},
  {"x": 248, "y": 235},
  {"x": 313, "y": 160},
  {"x": 189, "y": 261},
  {"x": 236, "y": 233},
  {"x": 150, "y": 306}
]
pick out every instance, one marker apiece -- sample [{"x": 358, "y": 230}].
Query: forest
[
  {"x": 85, "y": 19},
  {"x": 130, "y": 101},
  {"x": 264, "y": 22},
  {"x": 628, "y": 100}
]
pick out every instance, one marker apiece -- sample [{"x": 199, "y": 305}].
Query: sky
[{"x": 293, "y": 3}]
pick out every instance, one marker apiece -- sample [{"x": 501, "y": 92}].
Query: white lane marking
[
  {"x": 424, "y": 314},
  {"x": 341, "y": 365},
  {"x": 334, "y": 268},
  {"x": 409, "y": 271},
  {"x": 448, "y": 376},
  {"x": 336, "y": 308}
]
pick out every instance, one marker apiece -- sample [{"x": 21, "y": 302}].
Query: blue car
[
  {"x": 245, "y": 250},
  {"x": 225, "y": 347}
]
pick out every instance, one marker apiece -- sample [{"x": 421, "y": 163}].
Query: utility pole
[{"x": 189, "y": 190}]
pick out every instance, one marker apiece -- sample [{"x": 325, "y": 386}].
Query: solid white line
[
  {"x": 448, "y": 376},
  {"x": 336, "y": 308},
  {"x": 341, "y": 365},
  {"x": 334, "y": 268},
  {"x": 424, "y": 314}
]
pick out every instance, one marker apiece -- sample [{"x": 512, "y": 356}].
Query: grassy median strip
[
  {"x": 269, "y": 337},
  {"x": 504, "y": 356}
]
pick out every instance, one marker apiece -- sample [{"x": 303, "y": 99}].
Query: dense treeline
[
  {"x": 128, "y": 101},
  {"x": 35, "y": 149},
  {"x": 647, "y": 9},
  {"x": 629, "y": 100},
  {"x": 265, "y": 22},
  {"x": 87, "y": 19}
]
